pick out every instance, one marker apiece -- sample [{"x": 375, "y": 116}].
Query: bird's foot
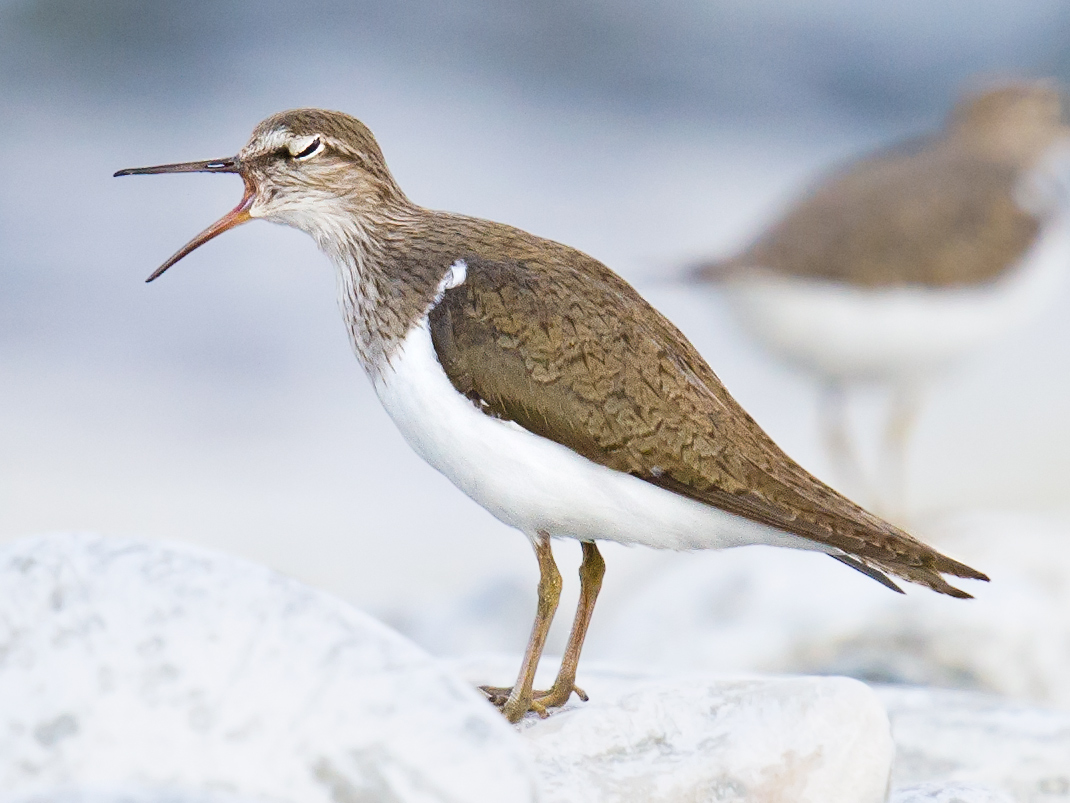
[
  {"x": 558, "y": 695},
  {"x": 539, "y": 701},
  {"x": 514, "y": 705},
  {"x": 497, "y": 695}
]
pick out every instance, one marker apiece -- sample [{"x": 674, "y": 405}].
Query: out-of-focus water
[{"x": 221, "y": 404}]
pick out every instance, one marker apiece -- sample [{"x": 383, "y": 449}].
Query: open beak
[{"x": 237, "y": 216}]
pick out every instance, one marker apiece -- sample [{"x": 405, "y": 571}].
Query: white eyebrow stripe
[{"x": 276, "y": 138}]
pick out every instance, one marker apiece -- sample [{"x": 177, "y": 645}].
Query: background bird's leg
[
  {"x": 901, "y": 418},
  {"x": 847, "y": 468},
  {"x": 591, "y": 571},
  {"x": 519, "y": 700}
]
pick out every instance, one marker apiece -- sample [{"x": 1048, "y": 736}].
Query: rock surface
[
  {"x": 948, "y": 793},
  {"x": 150, "y": 673},
  {"x": 944, "y": 736},
  {"x": 684, "y": 738},
  {"x": 137, "y": 666},
  {"x": 129, "y": 794}
]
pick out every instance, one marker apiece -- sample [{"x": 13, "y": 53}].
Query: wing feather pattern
[{"x": 604, "y": 374}]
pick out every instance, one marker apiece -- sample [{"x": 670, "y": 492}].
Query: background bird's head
[{"x": 1016, "y": 121}]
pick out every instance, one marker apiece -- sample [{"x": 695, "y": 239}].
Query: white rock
[
  {"x": 953, "y": 792},
  {"x": 129, "y": 794},
  {"x": 944, "y": 736},
  {"x": 765, "y": 610},
  {"x": 136, "y": 666},
  {"x": 698, "y": 738}
]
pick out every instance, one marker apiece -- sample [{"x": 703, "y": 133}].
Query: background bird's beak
[{"x": 237, "y": 216}]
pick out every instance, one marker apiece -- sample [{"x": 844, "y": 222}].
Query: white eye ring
[{"x": 306, "y": 147}]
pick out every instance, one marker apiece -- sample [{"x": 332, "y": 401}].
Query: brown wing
[
  {"x": 606, "y": 375},
  {"x": 933, "y": 216}
]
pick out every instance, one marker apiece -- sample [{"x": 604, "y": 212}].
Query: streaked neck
[{"x": 381, "y": 294}]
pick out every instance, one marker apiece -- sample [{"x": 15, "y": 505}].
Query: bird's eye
[{"x": 308, "y": 151}]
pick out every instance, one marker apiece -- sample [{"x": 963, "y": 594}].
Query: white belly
[
  {"x": 537, "y": 485},
  {"x": 904, "y": 333}
]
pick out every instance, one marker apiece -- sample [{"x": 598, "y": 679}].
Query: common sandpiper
[
  {"x": 900, "y": 264},
  {"x": 541, "y": 384}
]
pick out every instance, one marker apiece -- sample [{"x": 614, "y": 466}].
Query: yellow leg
[
  {"x": 519, "y": 699},
  {"x": 591, "y": 571}
]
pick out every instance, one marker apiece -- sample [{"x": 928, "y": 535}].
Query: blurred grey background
[{"x": 221, "y": 405}]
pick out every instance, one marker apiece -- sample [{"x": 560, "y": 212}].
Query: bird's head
[
  {"x": 1015, "y": 120},
  {"x": 318, "y": 171}
]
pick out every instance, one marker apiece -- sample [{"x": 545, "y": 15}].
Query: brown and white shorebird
[
  {"x": 541, "y": 384},
  {"x": 902, "y": 263}
]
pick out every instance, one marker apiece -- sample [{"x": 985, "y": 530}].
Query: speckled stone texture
[
  {"x": 189, "y": 675},
  {"x": 702, "y": 738},
  {"x": 945, "y": 736},
  {"x": 953, "y": 792},
  {"x": 135, "y": 672}
]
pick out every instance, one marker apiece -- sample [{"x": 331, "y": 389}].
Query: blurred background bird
[{"x": 900, "y": 264}]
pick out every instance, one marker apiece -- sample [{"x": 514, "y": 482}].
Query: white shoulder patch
[{"x": 455, "y": 275}]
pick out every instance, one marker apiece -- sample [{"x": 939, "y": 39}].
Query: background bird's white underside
[
  {"x": 850, "y": 333},
  {"x": 535, "y": 484}
]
